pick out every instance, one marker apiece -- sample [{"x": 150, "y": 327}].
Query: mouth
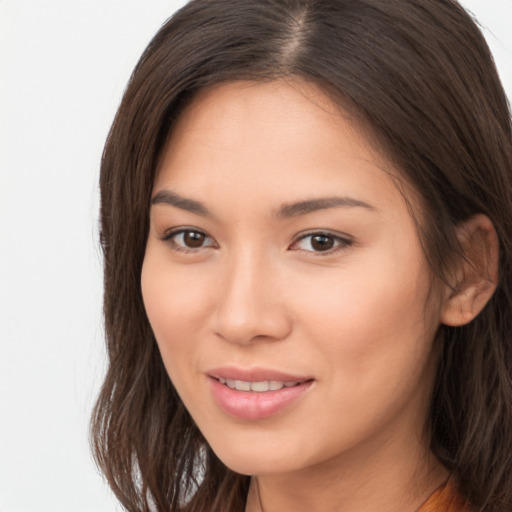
[
  {"x": 258, "y": 387},
  {"x": 256, "y": 394}
]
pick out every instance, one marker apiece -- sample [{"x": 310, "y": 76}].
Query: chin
[
  {"x": 261, "y": 458},
  {"x": 255, "y": 466}
]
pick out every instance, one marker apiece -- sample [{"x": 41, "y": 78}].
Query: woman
[{"x": 306, "y": 211}]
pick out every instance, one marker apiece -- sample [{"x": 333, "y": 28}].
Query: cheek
[
  {"x": 384, "y": 299},
  {"x": 175, "y": 307},
  {"x": 369, "y": 325},
  {"x": 374, "y": 347},
  {"x": 175, "y": 300}
]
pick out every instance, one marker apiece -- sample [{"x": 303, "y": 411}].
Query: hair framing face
[{"x": 419, "y": 76}]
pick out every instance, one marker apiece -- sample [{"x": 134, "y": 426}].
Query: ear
[{"x": 477, "y": 272}]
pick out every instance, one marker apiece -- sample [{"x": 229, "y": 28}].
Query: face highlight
[{"x": 285, "y": 282}]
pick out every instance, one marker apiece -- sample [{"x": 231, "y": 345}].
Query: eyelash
[
  {"x": 340, "y": 242},
  {"x": 171, "y": 236}
]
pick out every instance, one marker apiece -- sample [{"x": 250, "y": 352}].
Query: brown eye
[
  {"x": 193, "y": 239},
  {"x": 188, "y": 240},
  {"x": 322, "y": 242}
]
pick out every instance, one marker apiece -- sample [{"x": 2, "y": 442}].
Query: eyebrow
[
  {"x": 322, "y": 203},
  {"x": 287, "y": 210},
  {"x": 173, "y": 199}
]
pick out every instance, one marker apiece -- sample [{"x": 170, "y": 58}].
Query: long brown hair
[{"x": 420, "y": 76}]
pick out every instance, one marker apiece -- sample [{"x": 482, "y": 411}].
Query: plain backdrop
[{"x": 63, "y": 67}]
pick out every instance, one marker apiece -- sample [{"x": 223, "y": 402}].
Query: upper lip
[{"x": 255, "y": 374}]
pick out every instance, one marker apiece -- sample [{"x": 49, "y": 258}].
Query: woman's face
[{"x": 285, "y": 282}]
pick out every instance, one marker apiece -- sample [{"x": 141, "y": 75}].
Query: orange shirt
[{"x": 446, "y": 499}]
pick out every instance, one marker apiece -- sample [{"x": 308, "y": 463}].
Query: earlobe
[{"x": 477, "y": 274}]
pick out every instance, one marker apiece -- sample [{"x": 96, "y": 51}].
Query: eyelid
[
  {"x": 342, "y": 241},
  {"x": 170, "y": 235}
]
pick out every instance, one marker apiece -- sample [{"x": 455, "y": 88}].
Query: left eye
[
  {"x": 189, "y": 239},
  {"x": 320, "y": 242}
]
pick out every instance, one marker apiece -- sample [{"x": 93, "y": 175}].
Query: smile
[
  {"x": 256, "y": 394},
  {"x": 258, "y": 387}
]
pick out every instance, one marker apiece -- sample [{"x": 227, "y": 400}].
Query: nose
[{"x": 250, "y": 303}]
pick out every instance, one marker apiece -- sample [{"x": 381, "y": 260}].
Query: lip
[
  {"x": 251, "y": 405},
  {"x": 255, "y": 374}
]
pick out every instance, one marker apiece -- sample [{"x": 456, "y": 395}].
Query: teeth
[
  {"x": 241, "y": 385},
  {"x": 275, "y": 385},
  {"x": 258, "y": 387}
]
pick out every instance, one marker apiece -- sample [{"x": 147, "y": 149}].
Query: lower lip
[{"x": 251, "y": 405}]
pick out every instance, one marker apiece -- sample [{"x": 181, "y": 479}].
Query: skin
[{"x": 358, "y": 319}]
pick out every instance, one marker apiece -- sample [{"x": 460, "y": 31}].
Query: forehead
[
  {"x": 235, "y": 112},
  {"x": 287, "y": 136}
]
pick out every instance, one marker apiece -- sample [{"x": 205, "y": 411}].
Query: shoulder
[{"x": 446, "y": 499}]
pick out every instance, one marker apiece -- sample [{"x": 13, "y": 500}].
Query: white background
[{"x": 63, "y": 68}]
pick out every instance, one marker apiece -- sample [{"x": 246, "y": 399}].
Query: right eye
[{"x": 189, "y": 240}]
